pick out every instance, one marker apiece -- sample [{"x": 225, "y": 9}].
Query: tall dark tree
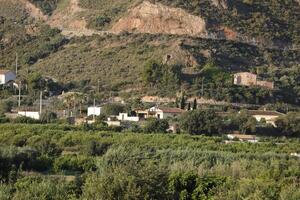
[
  {"x": 182, "y": 102},
  {"x": 195, "y": 104}
]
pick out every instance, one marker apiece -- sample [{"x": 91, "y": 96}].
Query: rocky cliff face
[{"x": 157, "y": 18}]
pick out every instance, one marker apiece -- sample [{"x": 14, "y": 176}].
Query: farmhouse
[
  {"x": 269, "y": 116},
  {"x": 160, "y": 112},
  {"x": 249, "y": 79},
  {"x": 6, "y": 76},
  {"x": 245, "y": 78}
]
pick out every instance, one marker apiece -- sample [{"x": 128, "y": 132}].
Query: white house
[
  {"x": 30, "y": 114},
  {"x": 6, "y": 76},
  {"x": 94, "y": 110},
  {"x": 269, "y": 116},
  {"x": 125, "y": 117},
  {"x": 160, "y": 112}
]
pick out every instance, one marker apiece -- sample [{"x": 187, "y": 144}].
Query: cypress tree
[
  {"x": 182, "y": 102},
  {"x": 195, "y": 104}
]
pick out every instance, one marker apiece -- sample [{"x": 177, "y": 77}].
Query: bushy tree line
[
  {"x": 210, "y": 122},
  {"x": 104, "y": 165}
]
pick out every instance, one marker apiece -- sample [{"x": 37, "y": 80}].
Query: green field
[{"x": 64, "y": 162}]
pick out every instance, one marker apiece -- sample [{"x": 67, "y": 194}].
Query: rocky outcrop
[
  {"x": 160, "y": 19},
  {"x": 68, "y": 17},
  {"x": 221, "y": 4},
  {"x": 177, "y": 55}
]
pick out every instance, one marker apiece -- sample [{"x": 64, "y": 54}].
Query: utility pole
[
  {"x": 41, "y": 102},
  {"x": 19, "y": 99},
  {"x": 16, "y": 64},
  {"x": 94, "y": 110},
  {"x": 202, "y": 87}
]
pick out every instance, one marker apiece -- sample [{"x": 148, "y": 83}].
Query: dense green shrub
[
  {"x": 48, "y": 117},
  {"x": 25, "y": 120},
  {"x": 289, "y": 124},
  {"x": 5, "y": 106},
  {"x": 242, "y": 122},
  {"x": 113, "y": 109},
  {"x": 156, "y": 126},
  {"x": 189, "y": 185},
  {"x": 201, "y": 122},
  {"x": 73, "y": 163},
  {"x": 3, "y": 119},
  {"x": 38, "y": 187},
  {"x": 47, "y": 6},
  {"x": 94, "y": 148},
  {"x": 133, "y": 181}
]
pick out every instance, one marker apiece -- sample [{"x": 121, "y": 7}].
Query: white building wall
[
  {"x": 94, "y": 111},
  {"x": 125, "y": 117},
  {"x": 30, "y": 114},
  {"x": 9, "y": 76},
  {"x": 269, "y": 119},
  {"x": 2, "y": 79},
  {"x": 113, "y": 123}
]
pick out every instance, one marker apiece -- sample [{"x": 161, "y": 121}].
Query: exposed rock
[
  {"x": 179, "y": 56},
  {"x": 157, "y": 18},
  {"x": 32, "y": 29},
  {"x": 67, "y": 17},
  {"x": 222, "y": 4},
  {"x": 227, "y": 33}
]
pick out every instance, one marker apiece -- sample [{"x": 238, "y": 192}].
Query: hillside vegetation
[{"x": 117, "y": 62}]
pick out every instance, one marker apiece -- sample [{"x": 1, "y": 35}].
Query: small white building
[
  {"x": 125, "y": 117},
  {"x": 6, "y": 76},
  {"x": 94, "y": 110},
  {"x": 243, "y": 138},
  {"x": 269, "y": 116},
  {"x": 30, "y": 114},
  {"x": 160, "y": 112}
]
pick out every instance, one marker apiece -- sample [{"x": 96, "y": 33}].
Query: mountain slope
[{"x": 96, "y": 41}]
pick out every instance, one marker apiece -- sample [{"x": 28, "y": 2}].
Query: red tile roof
[
  {"x": 244, "y": 137},
  {"x": 264, "y": 112},
  {"x": 172, "y": 110},
  {"x": 4, "y": 71}
]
